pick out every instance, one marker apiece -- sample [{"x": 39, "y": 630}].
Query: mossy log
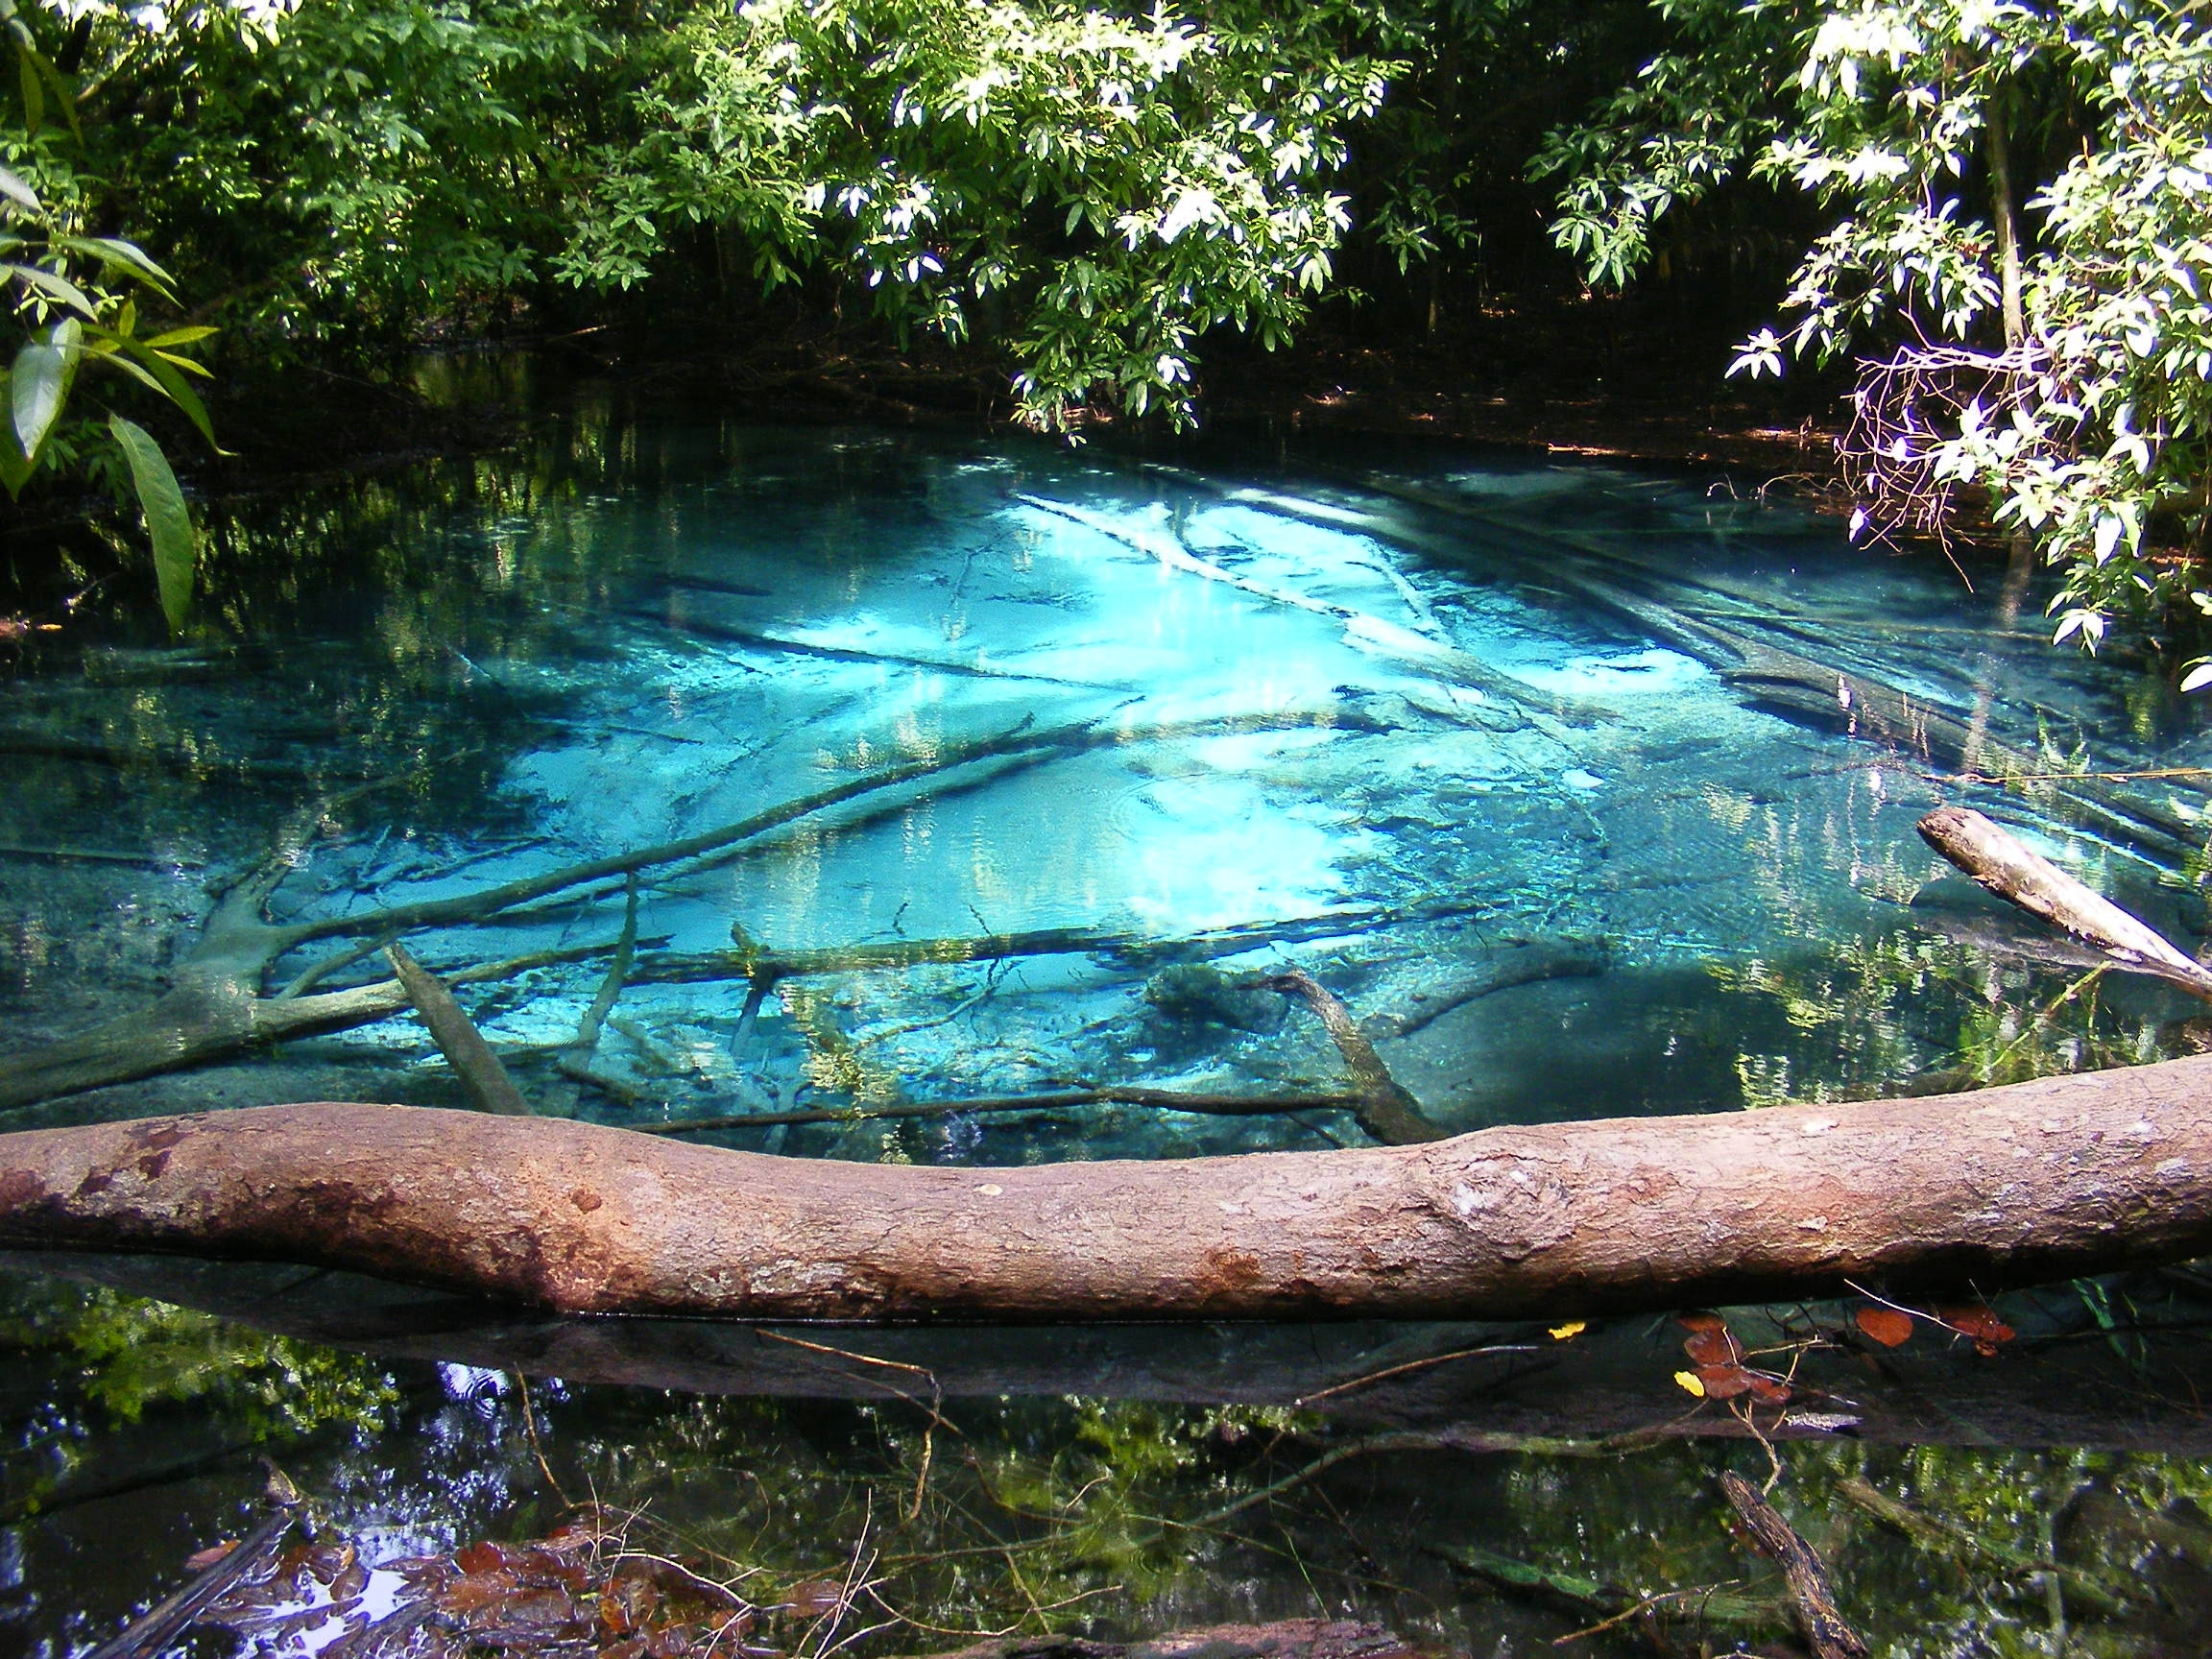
[{"x": 2029, "y": 1182}]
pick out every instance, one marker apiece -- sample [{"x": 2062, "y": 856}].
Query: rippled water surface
[{"x": 1589, "y": 791}]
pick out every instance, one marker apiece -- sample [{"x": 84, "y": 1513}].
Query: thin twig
[
  {"x": 1417, "y": 1365},
  {"x": 537, "y": 1445}
]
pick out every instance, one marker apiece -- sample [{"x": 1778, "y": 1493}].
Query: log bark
[{"x": 2033, "y": 1181}]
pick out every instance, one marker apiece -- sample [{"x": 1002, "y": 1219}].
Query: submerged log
[
  {"x": 1812, "y": 1597},
  {"x": 485, "y": 1081},
  {"x": 2033, "y": 1181}
]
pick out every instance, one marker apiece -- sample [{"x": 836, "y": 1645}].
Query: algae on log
[{"x": 2035, "y": 1181}]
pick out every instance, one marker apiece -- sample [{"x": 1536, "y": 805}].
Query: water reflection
[{"x": 1392, "y": 725}]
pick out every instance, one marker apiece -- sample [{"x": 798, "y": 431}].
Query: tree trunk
[{"x": 2033, "y": 1181}]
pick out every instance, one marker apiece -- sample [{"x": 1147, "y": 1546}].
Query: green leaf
[
  {"x": 53, "y": 286},
  {"x": 175, "y": 387},
  {"x": 37, "y": 386},
  {"x": 178, "y": 337},
  {"x": 114, "y": 250},
  {"x": 168, "y": 525},
  {"x": 64, "y": 89},
  {"x": 18, "y": 192},
  {"x": 33, "y": 94},
  {"x": 14, "y": 470}
]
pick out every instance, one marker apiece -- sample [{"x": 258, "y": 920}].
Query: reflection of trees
[
  {"x": 1886, "y": 1010},
  {"x": 1037, "y": 1516}
]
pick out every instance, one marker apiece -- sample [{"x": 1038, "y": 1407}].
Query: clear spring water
[{"x": 1232, "y": 709}]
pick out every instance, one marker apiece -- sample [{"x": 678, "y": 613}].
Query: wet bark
[
  {"x": 2029, "y": 1182},
  {"x": 1810, "y": 1595}
]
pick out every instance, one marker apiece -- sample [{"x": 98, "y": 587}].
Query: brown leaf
[
  {"x": 1887, "y": 1326},
  {"x": 1981, "y": 1324},
  {"x": 1715, "y": 1347},
  {"x": 539, "y": 1565},
  {"x": 203, "y": 1559},
  {"x": 353, "y": 1579},
  {"x": 1702, "y": 1322},
  {"x": 1770, "y": 1389},
  {"x": 326, "y": 1561},
  {"x": 1725, "y": 1382},
  {"x": 481, "y": 1559},
  {"x": 813, "y": 1598}
]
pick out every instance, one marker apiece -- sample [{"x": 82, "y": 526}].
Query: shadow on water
[{"x": 1390, "y": 718}]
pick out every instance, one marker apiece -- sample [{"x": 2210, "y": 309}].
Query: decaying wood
[
  {"x": 1810, "y": 1593},
  {"x": 1384, "y": 1107},
  {"x": 2001, "y": 862},
  {"x": 2031, "y": 1182},
  {"x": 1120, "y": 946},
  {"x": 1047, "y": 1100},
  {"x": 483, "y": 1079}
]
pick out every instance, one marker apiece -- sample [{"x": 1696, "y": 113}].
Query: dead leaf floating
[
  {"x": 1720, "y": 1372},
  {"x": 1891, "y": 1327},
  {"x": 1978, "y": 1323}
]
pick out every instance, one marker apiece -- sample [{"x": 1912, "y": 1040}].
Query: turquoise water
[
  {"x": 1469, "y": 738},
  {"x": 1396, "y": 744}
]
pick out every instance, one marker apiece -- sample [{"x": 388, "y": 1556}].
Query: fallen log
[
  {"x": 2005, "y": 865},
  {"x": 2035, "y": 1181},
  {"x": 1204, "y": 1105}
]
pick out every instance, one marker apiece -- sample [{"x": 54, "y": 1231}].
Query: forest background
[{"x": 1976, "y": 234}]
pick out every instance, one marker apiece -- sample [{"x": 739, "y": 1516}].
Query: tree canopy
[{"x": 1998, "y": 210}]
